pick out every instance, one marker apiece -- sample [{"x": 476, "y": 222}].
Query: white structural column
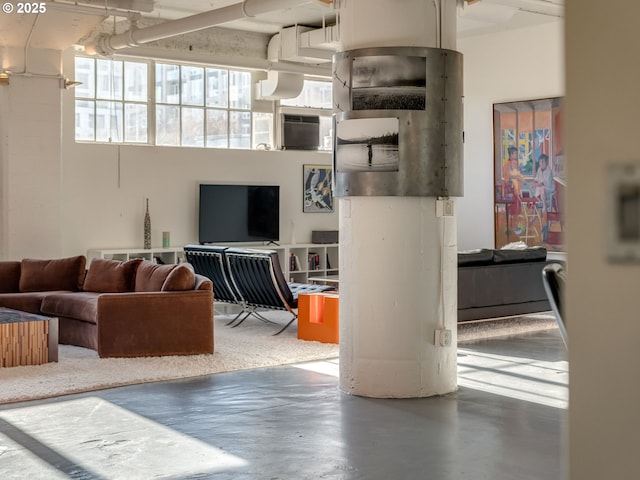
[
  {"x": 30, "y": 158},
  {"x": 398, "y": 258}
]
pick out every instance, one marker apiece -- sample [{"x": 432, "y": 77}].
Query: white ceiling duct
[
  {"x": 135, "y": 37},
  {"x": 304, "y": 44},
  {"x": 279, "y": 85}
]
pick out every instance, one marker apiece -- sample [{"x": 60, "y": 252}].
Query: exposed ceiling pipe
[
  {"x": 128, "y": 5},
  {"x": 106, "y": 12},
  {"x": 236, "y": 61},
  {"x": 554, "y": 8},
  {"x": 108, "y": 45}
]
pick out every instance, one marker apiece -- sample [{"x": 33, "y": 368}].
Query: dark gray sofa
[{"x": 500, "y": 283}]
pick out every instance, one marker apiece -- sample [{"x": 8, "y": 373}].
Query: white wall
[
  {"x": 519, "y": 64},
  {"x": 30, "y": 164},
  {"x": 103, "y": 197}
]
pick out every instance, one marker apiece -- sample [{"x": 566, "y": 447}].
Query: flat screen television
[{"x": 239, "y": 213}]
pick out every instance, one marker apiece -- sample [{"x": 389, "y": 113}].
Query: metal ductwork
[
  {"x": 304, "y": 44},
  {"x": 108, "y": 45},
  {"x": 279, "y": 85}
]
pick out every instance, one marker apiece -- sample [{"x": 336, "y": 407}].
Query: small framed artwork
[{"x": 318, "y": 194}]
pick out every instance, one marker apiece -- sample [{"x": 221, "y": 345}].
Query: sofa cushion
[
  {"x": 9, "y": 277},
  {"x": 57, "y": 274},
  {"x": 481, "y": 256},
  {"x": 532, "y": 254},
  {"x": 180, "y": 278},
  {"x": 77, "y": 305},
  {"x": 25, "y": 301},
  {"x": 151, "y": 276},
  {"x": 111, "y": 276}
]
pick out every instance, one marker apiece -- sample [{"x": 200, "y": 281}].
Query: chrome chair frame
[{"x": 554, "y": 279}]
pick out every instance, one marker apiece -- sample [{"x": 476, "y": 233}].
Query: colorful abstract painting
[{"x": 529, "y": 172}]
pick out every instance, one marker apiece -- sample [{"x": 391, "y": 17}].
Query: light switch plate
[{"x": 623, "y": 212}]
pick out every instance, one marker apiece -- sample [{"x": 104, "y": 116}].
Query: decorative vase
[{"x": 147, "y": 228}]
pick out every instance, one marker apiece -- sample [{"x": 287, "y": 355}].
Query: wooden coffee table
[{"x": 27, "y": 338}]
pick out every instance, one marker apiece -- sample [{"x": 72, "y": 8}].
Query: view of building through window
[{"x": 188, "y": 105}]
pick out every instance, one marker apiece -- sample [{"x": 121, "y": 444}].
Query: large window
[
  {"x": 203, "y": 107},
  {"x": 111, "y": 102},
  {"x": 160, "y": 103}
]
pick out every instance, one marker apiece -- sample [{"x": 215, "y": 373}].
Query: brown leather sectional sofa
[{"x": 120, "y": 309}]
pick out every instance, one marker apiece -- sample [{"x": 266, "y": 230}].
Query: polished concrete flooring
[{"x": 507, "y": 421}]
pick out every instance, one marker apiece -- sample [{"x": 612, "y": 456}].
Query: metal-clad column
[{"x": 398, "y": 162}]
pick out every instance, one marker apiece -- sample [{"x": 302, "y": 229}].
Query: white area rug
[{"x": 250, "y": 345}]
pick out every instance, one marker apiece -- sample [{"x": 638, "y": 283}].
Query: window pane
[
  {"x": 85, "y": 73},
  {"x": 192, "y": 86},
  {"x": 193, "y": 127},
  {"x": 167, "y": 125},
  {"x": 217, "y": 88},
  {"x": 109, "y": 81},
  {"x": 315, "y": 94},
  {"x": 85, "y": 120},
  {"x": 217, "y": 128},
  {"x": 167, "y": 83},
  {"x": 135, "y": 81},
  {"x": 239, "y": 90},
  {"x": 240, "y": 130},
  {"x": 108, "y": 122},
  {"x": 326, "y": 133},
  {"x": 262, "y": 128},
  {"x": 135, "y": 121}
]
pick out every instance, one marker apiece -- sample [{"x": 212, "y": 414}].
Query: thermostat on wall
[{"x": 624, "y": 212}]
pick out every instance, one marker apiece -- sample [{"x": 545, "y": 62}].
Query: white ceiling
[{"x": 67, "y": 21}]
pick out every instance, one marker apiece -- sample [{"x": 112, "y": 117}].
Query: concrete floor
[{"x": 506, "y": 421}]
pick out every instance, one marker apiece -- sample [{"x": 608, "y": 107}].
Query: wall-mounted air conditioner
[{"x": 300, "y": 132}]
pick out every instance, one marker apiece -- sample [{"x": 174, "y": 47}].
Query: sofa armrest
[{"x": 137, "y": 324}]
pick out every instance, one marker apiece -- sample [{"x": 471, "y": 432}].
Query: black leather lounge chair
[{"x": 250, "y": 278}]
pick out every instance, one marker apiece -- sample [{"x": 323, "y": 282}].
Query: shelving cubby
[
  {"x": 159, "y": 255},
  {"x": 294, "y": 260}
]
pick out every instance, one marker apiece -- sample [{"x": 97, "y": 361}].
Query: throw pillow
[
  {"x": 151, "y": 276},
  {"x": 181, "y": 278},
  {"x": 111, "y": 276},
  {"x": 9, "y": 277},
  {"x": 57, "y": 274}
]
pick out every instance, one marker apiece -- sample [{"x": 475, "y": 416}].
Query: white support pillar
[
  {"x": 31, "y": 157},
  {"x": 398, "y": 259}
]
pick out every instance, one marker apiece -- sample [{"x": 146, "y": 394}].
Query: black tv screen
[{"x": 239, "y": 213}]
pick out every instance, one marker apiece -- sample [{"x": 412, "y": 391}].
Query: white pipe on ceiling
[
  {"x": 108, "y": 12},
  {"x": 236, "y": 61},
  {"x": 554, "y": 8},
  {"x": 136, "y": 37}
]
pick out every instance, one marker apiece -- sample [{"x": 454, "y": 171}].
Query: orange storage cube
[{"x": 318, "y": 317}]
